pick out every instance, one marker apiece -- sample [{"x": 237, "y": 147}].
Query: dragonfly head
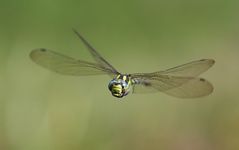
[{"x": 118, "y": 87}]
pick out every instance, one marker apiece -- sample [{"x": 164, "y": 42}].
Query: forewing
[
  {"x": 66, "y": 65},
  {"x": 98, "y": 58},
  {"x": 182, "y": 87},
  {"x": 191, "y": 69}
]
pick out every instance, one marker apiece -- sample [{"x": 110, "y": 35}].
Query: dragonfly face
[
  {"x": 120, "y": 86},
  {"x": 182, "y": 81}
]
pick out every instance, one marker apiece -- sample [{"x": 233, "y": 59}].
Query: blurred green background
[{"x": 43, "y": 110}]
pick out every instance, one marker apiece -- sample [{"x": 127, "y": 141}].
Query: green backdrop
[{"x": 43, "y": 110}]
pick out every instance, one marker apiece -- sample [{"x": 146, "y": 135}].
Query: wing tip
[
  {"x": 211, "y": 61},
  {"x": 74, "y": 30},
  {"x": 77, "y": 33},
  {"x": 204, "y": 87},
  {"x": 34, "y": 53},
  {"x": 208, "y": 89}
]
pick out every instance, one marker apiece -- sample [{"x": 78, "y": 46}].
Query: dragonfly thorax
[{"x": 120, "y": 86}]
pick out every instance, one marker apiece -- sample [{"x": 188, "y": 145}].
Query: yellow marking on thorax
[
  {"x": 124, "y": 78},
  {"x": 129, "y": 81},
  {"x": 118, "y": 76}
]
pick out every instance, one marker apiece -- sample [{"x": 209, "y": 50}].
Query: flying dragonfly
[{"x": 181, "y": 81}]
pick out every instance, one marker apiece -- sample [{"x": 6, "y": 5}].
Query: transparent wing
[
  {"x": 191, "y": 69},
  {"x": 98, "y": 58},
  {"x": 180, "y": 81},
  {"x": 182, "y": 87},
  {"x": 66, "y": 65}
]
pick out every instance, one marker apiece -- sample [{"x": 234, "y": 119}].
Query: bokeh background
[{"x": 43, "y": 110}]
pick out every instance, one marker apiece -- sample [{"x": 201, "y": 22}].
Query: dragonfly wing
[
  {"x": 191, "y": 69},
  {"x": 98, "y": 58},
  {"x": 180, "y": 81},
  {"x": 197, "y": 87},
  {"x": 182, "y": 87},
  {"x": 66, "y": 65},
  {"x": 142, "y": 89}
]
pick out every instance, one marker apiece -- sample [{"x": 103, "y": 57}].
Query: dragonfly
[{"x": 182, "y": 81}]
